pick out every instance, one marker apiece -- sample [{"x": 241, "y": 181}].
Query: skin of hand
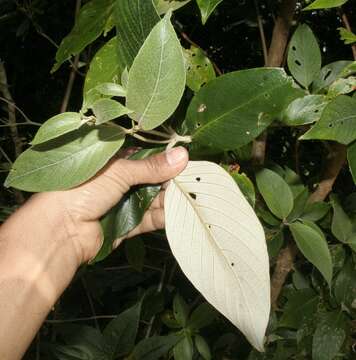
[{"x": 44, "y": 242}]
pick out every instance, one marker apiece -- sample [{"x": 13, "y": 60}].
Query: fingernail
[{"x": 176, "y": 155}]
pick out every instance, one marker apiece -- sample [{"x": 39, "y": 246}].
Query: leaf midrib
[{"x": 64, "y": 159}]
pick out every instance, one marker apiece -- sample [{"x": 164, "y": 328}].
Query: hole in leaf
[
  {"x": 198, "y": 66},
  {"x": 193, "y": 54},
  {"x": 298, "y": 62},
  {"x": 328, "y": 73},
  {"x": 198, "y": 179},
  {"x": 193, "y": 196},
  {"x": 341, "y": 123},
  {"x": 209, "y": 226},
  {"x": 330, "y": 125},
  {"x": 294, "y": 48},
  {"x": 206, "y": 65},
  {"x": 198, "y": 124},
  {"x": 204, "y": 83},
  {"x": 316, "y": 110},
  {"x": 232, "y": 264}
]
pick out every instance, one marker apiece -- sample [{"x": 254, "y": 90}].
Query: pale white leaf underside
[{"x": 220, "y": 245}]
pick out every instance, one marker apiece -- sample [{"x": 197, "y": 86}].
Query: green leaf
[
  {"x": 329, "y": 336},
  {"x": 184, "y": 349},
  {"x": 157, "y": 77},
  {"x": 103, "y": 68},
  {"x": 111, "y": 89},
  {"x": 301, "y": 305},
  {"x": 348, "y": 37},
  {"x": 345, "y": 285},
  {"x": 200, "y": 70},
  {"x": 342, "y": 226},
  {"x": 89, "y": 25},
  {"x": 120, "y": 333},
  {"x": 202, "y": 347},
  {"x": 202, "y": 316},
  {"x": 304, "y": 57},
  {"x": 313, "y": 245},
  {"x": 206, "y": 8},
  {"x": 135, "y": 252},
  {"x": 134, "y": 21},
  {"x": 351, "y": 157},
  {"x": 304, "y": 110},
  {"x": 275, "y": 243},
  {"x": 83, "y": 342},
  {"x": 245, "y": 185},
  {"x": 235, "y": 108},
  {"x": 180, "y": 310},
  {"x": 342, "y": 87},
  {"x": 154, "y": 347},
  {"x": 56, "y": 126},
  {"x": 129, "y": 212},
  {"x": 108, "y": 109},
  {"x": 300, "y": 203},
  {"x": 67, "y": 161},
  {"x": 329, "y": 73},
  {"x": 325, "y": 4},
  {"x": 269, "y": 184},
  {"x": 338, "y": 122},
  {"x": 315, "y": 211},
  {"x": 163, "y": 6}
]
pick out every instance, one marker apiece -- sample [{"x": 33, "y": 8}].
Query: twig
[
  {"x": 5, "y": 155},
  {"x": 262, "y": 32},
  {"x": 274, "y": 58},
  {"x": 89, "y": 318},
  {"x": 347, "y": 25},
  {"x": 142, "y": 138},
  {"x": 19, "y": 110},
  {"x": 91, "y": 303},
  {"x": 72, "y": 74},
  {"x": 16, "y": 139}
]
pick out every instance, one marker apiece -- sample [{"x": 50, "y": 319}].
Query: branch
[
  {"x": 73, "y": 72},
  {"x": 274, "y": 58},
  {"x": 347, "y": 25},
  {"x": 16, "y": 139},
  {"x": 336, "y": 161}
]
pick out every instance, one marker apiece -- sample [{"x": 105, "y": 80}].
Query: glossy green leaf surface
[
  {"x": 207, "y": 7},
  {"x": 89, "y": 25},
  {"x": 342, "y": 87},
  {"x": 120, "y": 333},
  {"x": 135, "y": 252},
  {"x": 157, "y": 77},
  {"x": 163, "y": 6},
  {"x": 67, "y": 161},
  {"x": 329, "y": 73},
  {"x": 269, "y": 184},
  {"x": 56, "y": 126},
  {"x": 103, "y": 68},
  {"x": 325, "y": 4},
  {"x": 304, "y": 57},
  {"x": 345, "y": 286},
  {"x": 184, "y": 349},
  {"x": 134, "y": 21},
  {"x": 304, "y": 110},
  {"x": 314, "y": 247},
  {"x": 315, "y": 211},
  {"x": 108, "y": 109},
  {"x": 351, "y": 157},
  {"x": 200, "y": 70},
  {"x": 235, "y": 108},
  {"x": 301, "y": 304},
  {"x": 338, "y": 122},
  {"x": 329, "y": 336},
  {"x": 155, "y": 347}
]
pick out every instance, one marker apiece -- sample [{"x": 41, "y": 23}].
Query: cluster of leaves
[{"x": 135, "y": 90}]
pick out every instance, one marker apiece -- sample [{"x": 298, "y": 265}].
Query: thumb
[{"x": 157, "y": 168}]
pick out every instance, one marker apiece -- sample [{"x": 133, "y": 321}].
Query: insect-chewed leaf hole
[
  {"x": 298, "y": 62},
  {"x": 198, "y": 178},
  {"x": 232, "y": 264},
  {"x": 193, "y": 196}
]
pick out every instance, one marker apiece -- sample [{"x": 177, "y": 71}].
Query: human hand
[{"x": 82, "y": 207}]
